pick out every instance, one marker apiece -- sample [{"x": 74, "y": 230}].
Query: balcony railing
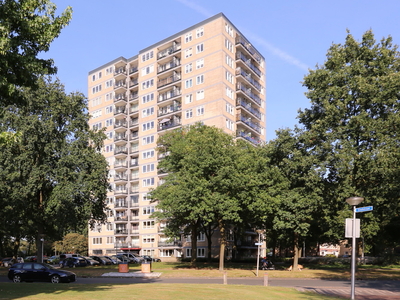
[
  {"x": 134, "y": 218},
  {"x": 121, "y": 205},
  {"x": 168, "y": 95},
  {"x": 120, "y": 97},
  {"x": 121, "y": 165},
  {"x": 133, "y": 70},
  {"x": 240, "y": 40},
  {"x": 120, "y": 124},
  {"x": 121, "y": 218},
  {"x": 120, "y": 138},
  {"x": 168, "y": 125},
  {"x": 121, "y": 150},
  {"x": 247, "y": 76},
  {"x": 121, "y": 231},
  {"x": 121, "y": 177},
  {"x": 168, "y": 110},
  {"x": 247, "y": 91},
  {"x": 119, "y": 84},
  {"x": 168, "y": 80},
  {"x": 170, "y": 244},
  {"x": 133, "y": 82},
  {"x": 120, "y": 71},
  {"x": 133, "y": 96},
  {"x": 169, "y": 65},
  {"x": 134, "y": 163},
  {"x": 169, "y": 51},
  {"x": 134, "y": 122},
  {"x": 248, "y": 137},
  {"x": 248, "y": 122},
  {"x": 119, "y": 110},
  {"x": 239, "y": 55},
  {"x": 134, "y": 135},
  {"x": 241, "y": 102}
]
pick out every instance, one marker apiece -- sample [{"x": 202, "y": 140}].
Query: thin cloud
[
  {"x": 278, "y": 52},
  {"x": 196, "y": 7},
  {"x": 270, "y": 48}
]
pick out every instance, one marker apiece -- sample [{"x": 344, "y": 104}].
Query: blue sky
[{"x": 293, "y": 36}]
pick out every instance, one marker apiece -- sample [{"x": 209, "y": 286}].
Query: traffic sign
[
  {"x": 258, "y": 244},
  {"x": 364, "y": 209}
]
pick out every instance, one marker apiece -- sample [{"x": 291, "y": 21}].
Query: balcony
[
  {"x": 121, "y": 178},
  {"x": 134, "y": 163},
  {"x": 133, "y": 96},
  {"x": 247, "y": 76},
  {"x": 164, "y": 53},
  {"x": 247, "y": 106},
  {"x": 121, "y": 84},
  {"x": 133, "y": 82},
  {"x": 248, "y": 122},
  {"x": 169, "y": 80},
  {"x": 122, "y": 150},
  {"x": 121, "y": 204},
  {"x": 248, "y": 63},
  {"x": 248, "y": 137},
  {"x": 120, "y": 138},
  {"x": 121, "y": 231},
  {"x": 134, "y": 218},
  {"x": 249, "y": 48},
  {"x": 119, "y": 110},
  {"x": 133, "y": 70},
  {"x": 134, "y": 122},
  {"x": 120, "y": 165},
  {"x": 120, "y": 97},
  {"x": 134, "y": 135},
  {"x": 121, "y": 124},
  {"x": 168, "y": 110},
  {"x": 121, "y": 70},
  {"x": 121, "y": 219},
  {"x": 247, "y": 91},
  {"x": 169, "y": 95},
  {"x": 170, "y": 244},
  {"x": 169, "y": 124},
  {"x": 175, "y": 62}
]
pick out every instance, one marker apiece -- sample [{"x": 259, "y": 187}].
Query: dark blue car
[
  {"x": 32, "y": 271},
  {"x": 73, "y": 262}
]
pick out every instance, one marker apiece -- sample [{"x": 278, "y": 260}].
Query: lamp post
[
  {"x": 259, "y": 231},
  {"x": 353, "y": 201},
  {"x": 42, "y": 240}
]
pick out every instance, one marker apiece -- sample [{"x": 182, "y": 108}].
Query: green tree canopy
[
  {"x": 54, "y": 177},
  {"x": 353, "y": 127},
  {"x": 27, "y": 28}
]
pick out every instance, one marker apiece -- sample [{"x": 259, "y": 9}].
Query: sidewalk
[{"x": 360, "y": 293}]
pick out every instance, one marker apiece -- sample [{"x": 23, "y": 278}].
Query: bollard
[
  {"x": 265, "y": 279},
  {"x": 225, "y": 278}
]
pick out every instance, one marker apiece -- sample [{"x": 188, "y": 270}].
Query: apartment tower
[{"x": 210, "y": 73}]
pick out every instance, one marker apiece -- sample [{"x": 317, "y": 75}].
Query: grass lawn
[{"x": 44, "y": 291}]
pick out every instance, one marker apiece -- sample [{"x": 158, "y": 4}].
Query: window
[
  {"x": 201, "y": 252},
  {"x": 188, "y": 252},
  {"x": 110, "y": 239},
  {"x": 200, "y": 110},
  {"x": 96, "y": 101},
  {"x": 188, "y": 114},
  {"x": 147, "y": 55},
  {"x": 229, "y": 61},
  {"x": 109, "y": 96},
  {"x": 147, "y": 98},
  {"x": 148, "y": 140},
  {"x": 96, "y": 89},
  {"x": 148, "y": 112},
  {"x": 188, "y": 83},
  {"x": 97, "y": 241},
  {"x": 147, "y": 70},
  {"x": 93, "y": 77},
  {"x": 229, "y": 108},
  {"x": 188, "y": 52},
  {"x": 148, "y": 238},
  {"x": 109, "y": 135},
  {"x": 229, "y": 29},
  {"x": 148, "y": 126},
  {"x": 166, "y": 252},
  {"x": 200, "y": 63},
  {"x": 109, "y": 109},
  {"x": 147, "y": 84},
  {"x": 228, "y": 45},
  {"x": 99, "y": 75},
  {"x": 229, "y": 93},
  {"x": 109, "y": 122},
  {"x": 199, "y": 48},
  {"x": 148, "y": 168},
  {"x": 200, "y": 95},
  {"x": 108, "y": 148},
  {"x": 230, "y": 125},
  {"x": 109, "y": 70},
  {"x": 199, "y": 32},
  {"x": 96, "y": 114},
  {"x": 148, "y": 210},
  {"x": 109, "y": 83},
  {"x": 188, "y": 68},
  {"x": 229, "y": 76},
  {"x": 148, "y": 224},
  {"x": 148, "y": 182},
  {"x": 96, "y": 126},
  {"x": 146, "y": 197},
  {"x": 188, "y": 98},
  {"x": 148, "y": 154},
  {"x": 201, "y": 237},
  {"x": 109, "y": 226},
  {"x": 188, "y": 37},
  {"x": 200, "y": 79}
]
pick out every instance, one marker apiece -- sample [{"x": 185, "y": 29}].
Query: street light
[
  {"x": 353, "y": 201},
  {"x": 259, "y": 231},
  {"x": 42, "y": 240}
]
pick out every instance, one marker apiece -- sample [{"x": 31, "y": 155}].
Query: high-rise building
[{"x": 208, "y": 72}]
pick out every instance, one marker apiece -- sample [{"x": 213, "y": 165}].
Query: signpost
[{"x": 364, "y": 209}]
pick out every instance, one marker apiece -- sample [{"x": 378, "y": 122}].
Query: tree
[
  {"x": 54, "y": 178},
  {"x": 212, "y": 179},
  {"x": 300, "y": 194},
  {"x": 27, "y": 28},
  {"x": 73, "y": 243},
  {"x": 353, "y": 127}
]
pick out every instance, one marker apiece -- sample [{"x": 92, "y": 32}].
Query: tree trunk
[
  {"x": 296, "y": 251},
  {"x": 222, "y": 245},
  {"x": 194, "y": 233}
]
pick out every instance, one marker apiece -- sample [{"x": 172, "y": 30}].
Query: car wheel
[
  {"x": 17, "y": 279},
  {"x": 55, "y": 279},
  {"x": 73, "y": 266}
]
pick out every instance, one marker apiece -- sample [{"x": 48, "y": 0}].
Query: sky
[{"x": 292, "y": 35}]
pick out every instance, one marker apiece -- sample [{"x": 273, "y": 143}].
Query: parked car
[
  {"x": 134, "y": 258},
  {"x": 153, "y": 259},
  {"x": 55, "y": 259},
  {"x": 117, "y": 258},
  {"x": 39, "y": 272},
  {"x": 102, "y": 260},
  {"x": 90, "y": 261},
  {"x": 73, "y": 262},
  {"x": 34, "y": 259},
  {"x": 9, "y": 261},
  {"x": 114, "y": 261}
]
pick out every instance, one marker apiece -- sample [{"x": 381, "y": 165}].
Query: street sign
[
  {"x": 364, "y": 209},
  {"x": 258, "y": 244},
  {"x": 349, "y": 228}
]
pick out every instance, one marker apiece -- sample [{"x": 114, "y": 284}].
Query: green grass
[{"x": 47, "y": 291}]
